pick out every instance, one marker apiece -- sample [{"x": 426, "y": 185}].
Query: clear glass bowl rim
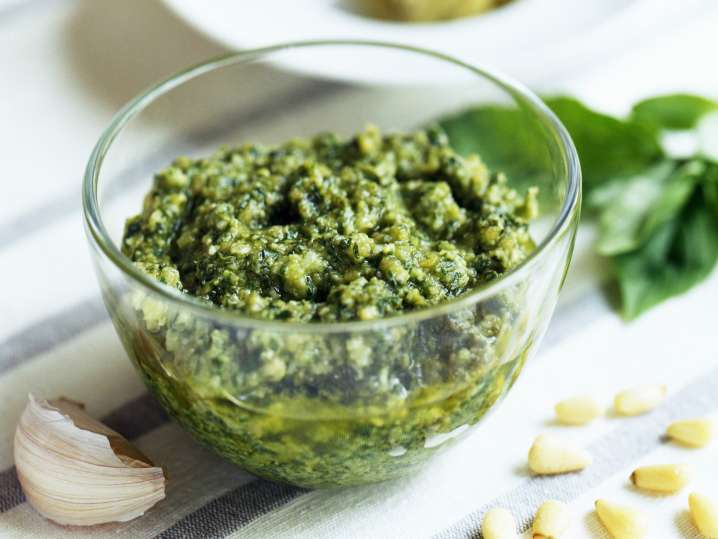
[{"x": 95, "y": 227}]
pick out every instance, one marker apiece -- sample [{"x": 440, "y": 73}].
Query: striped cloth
[{"x": 65, "y": 66}]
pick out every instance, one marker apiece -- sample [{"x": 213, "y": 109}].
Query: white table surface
[{"x": 67, "y": 65}]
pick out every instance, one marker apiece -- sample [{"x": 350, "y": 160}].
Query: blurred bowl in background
[{"x": 531, "y": 40}]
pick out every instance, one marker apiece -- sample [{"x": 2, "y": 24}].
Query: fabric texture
[{"x": 56, "y": 339}]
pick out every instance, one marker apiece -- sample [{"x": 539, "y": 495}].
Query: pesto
[
  {"x": 323, "y": 230},
  {"x": 328, "y": 229}
]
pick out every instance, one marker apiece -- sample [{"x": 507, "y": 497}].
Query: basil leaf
[
  {"x": 707, "y": 135},
  {"x": 603, "y": 195},
  {"x": 503, "y": 138},
  {"x": 646, "y": 202},
  {"x": 676, "y": 192},
  {"x": 710, "y": 186},
  {"x": 622, "y": 216},
  {"x": 680, "y": 254},
  {"x": 608, "y": 148},
  {"x": 675, "y": 111}
]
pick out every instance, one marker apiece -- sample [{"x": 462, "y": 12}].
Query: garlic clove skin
[{"x": 76, "y": 471}]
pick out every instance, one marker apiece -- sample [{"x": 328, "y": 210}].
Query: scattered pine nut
[
  {"x": 552, "y": 519},
  {"x": 622, "y": 522},
  {"x": 498, "y": 523},
  {"x": 578, "y": 410},
  {"x": 551, "y": 455},
  {"x": 662, "y": 477},
  {"x": 691, "y": 432},
  {"x": 639, "y": 400},
  {"x": 705, "y": 514}
]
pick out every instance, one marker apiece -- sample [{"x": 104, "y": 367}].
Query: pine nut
[
  {"x": 498, "y": 523},
  {"x": 622, "y": 522},
  {"x": 661, "y": 478},
  {"x": 639, "y": 400},
  {"x": 578, "y": 410},
  {"x": 705, "y": 514},
  {"x": 552, "y": 519},
  {"x": 691, "y": 432},
  {"x": 551, "y": 455}
]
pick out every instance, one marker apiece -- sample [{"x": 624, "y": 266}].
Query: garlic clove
[{"x": 76, "y": 471}]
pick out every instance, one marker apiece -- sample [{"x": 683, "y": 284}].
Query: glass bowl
[{"x": 327, "y": 404}]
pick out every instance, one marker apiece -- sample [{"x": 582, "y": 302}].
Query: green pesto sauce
[
  {"x": 328, "y": 229},
  {"x": 321, "y": 230}
]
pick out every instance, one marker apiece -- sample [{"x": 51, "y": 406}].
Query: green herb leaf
[
  {"x": 676, "y": 192},
  {"x": 608, "y": 148},
  {"x": 710, "y": 185},
  {"x": 680, "y": 254},
  {"x": 646, "y": 202},
  {"x": 503, "y": 138},
  {"x": 707, "y": 134},
  {"x": 675, "y": 111}
]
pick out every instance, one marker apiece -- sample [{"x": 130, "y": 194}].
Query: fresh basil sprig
[{"x": 657, "y": 215}]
